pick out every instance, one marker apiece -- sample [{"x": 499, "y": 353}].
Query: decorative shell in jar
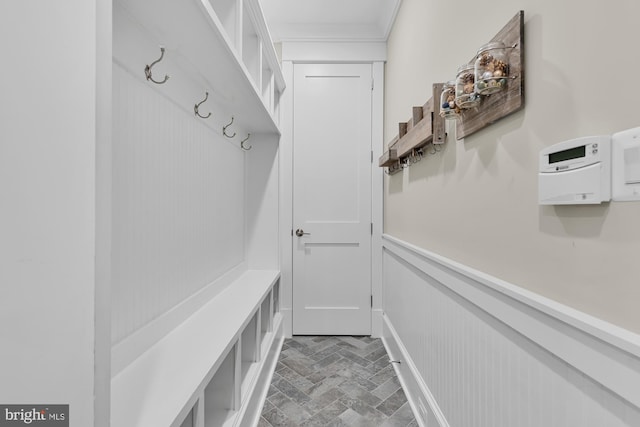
[
  {"x": 449, "y": 110},
  {"x": 491, "y": 68},
  {"x": 466, "y": 95}
]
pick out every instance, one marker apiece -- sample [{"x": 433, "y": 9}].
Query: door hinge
[
  {"x": 372, "y": 229},
  {"x": 371, "y": 156},
  {"x": 371, "y": 301},
  {"x": 372, "y": 83},
  {"x": 292, "y": 231}
]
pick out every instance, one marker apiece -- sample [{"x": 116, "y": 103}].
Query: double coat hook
[
  {"x": 195, "y": 107},
  {"x": 147, "y": 69},
  {"x": 245, "y": 140},
  {"x": 224, "y": 129}
]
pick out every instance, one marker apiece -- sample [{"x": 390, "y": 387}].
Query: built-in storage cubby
[
  {"x": 194, "y": 353},
  {"x": 267, "y": 92},
  {"x": 222, "y": 372},
  {"x": 276, "y": 107},
  {"x": 250, "y": 351},
  {"x": 265, "y": 316},
  {"x": 227, "y": 12},
  {"x": 219, "y": 394},
  {"x": 225, "y": 52},
  {"x": 266, "y": 319},
  {"x": 267, "y": 83},
  {"x": 251, "y": 50},
  {"x": 188, "y": 421},
  {"x": 276, "y": 298}
]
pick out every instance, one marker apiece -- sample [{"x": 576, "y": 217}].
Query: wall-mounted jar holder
[
  {"x": 449, "y": 110},
  {"x": 491, "y": 68},
  {"x": 506, "y": 49},
  {"x": 426, "y": 126},
  {"x": 466, "y": 96}
]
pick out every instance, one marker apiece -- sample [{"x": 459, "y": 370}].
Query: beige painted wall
[{"x": 476, "y": 201}]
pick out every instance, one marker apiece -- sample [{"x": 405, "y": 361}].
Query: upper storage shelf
[{"x": 225, "y": 43}]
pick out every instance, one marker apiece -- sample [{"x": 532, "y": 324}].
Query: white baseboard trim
[
  {"x": 287, "y": 320},
  {"x": 608, "y": 354},
  {"x": 376, "y": 322},
  {"x": 130, "y": 348},
  {"x": 424, "y": 405}
]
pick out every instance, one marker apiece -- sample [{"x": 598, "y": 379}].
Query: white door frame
[{"x": 330, "y": 52}]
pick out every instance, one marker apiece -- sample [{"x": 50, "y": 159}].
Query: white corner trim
[
  {"x": 394, "y": 15},
  {"x": 377, "y": 202},
  {"x": 376, "y": 322},
  {"x": 607, "y": 353},
  {"x": 287, "y": 322}
]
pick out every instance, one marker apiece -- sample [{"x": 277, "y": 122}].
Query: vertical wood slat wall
[{"x": 178, "y": 204}]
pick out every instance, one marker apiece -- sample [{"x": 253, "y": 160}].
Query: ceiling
[{"x": 330, "y": 20}]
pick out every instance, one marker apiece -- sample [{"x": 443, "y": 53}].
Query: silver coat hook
[
  {"x": 245, "y": 140},
  {"x": 195, "y": 107},
  {"x": 224, "y": 129},
  {"x": 416, "y": 155},
  {"x": 147, "y": 69}
]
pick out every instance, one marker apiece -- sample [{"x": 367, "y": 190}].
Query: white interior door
[{"x": 332, "y": 199}]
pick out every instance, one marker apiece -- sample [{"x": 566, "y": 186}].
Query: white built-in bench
[{"x": 214, "y": 369}]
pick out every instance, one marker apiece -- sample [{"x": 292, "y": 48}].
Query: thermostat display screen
[{"x": 572, "y": 153}]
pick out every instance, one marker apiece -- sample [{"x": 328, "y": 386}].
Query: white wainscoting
[
  {"x": 477, "y": 351},
  {"x": 178, "y": 201}
]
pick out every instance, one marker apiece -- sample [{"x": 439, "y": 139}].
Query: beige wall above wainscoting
[{"x": 476, "y": 202}]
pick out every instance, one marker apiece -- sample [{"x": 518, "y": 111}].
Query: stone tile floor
[{"x": 335, "y": 381}]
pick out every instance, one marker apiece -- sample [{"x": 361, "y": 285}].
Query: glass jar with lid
[
  {"x": 448, "y": 108},
  {"x": 491, "y": 68},
  {"x": 466, "y": 96}
]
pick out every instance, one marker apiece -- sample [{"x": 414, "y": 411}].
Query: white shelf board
[
  {"x": 153, "y": 390},
  {"x": 192, "y": 28}
]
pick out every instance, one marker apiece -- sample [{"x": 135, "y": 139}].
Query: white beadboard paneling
[
  {"x": 262, "y": 171},
  {"x": 130, "y": 348},
  {"x": 178, "y": 204},
  {"x": 422, "y": 402},
  {"x": 490, "y": 359}
]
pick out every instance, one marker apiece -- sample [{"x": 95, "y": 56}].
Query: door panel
[{"x": 332, "y": 199}]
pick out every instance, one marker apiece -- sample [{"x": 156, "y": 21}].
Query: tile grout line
[{"x": 342, "y": 374}]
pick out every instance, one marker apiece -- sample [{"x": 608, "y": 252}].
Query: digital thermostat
[{"x": 576, "y": 172}]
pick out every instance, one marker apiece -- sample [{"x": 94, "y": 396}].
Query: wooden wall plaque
[
  {"x": 505, "y": 102},
  {"x": 425, "y": 127}
]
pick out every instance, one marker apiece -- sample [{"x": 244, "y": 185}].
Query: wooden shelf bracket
[{"x": 425, "y": 127}]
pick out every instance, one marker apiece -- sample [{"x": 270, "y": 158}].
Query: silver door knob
[{"x": 300, "y": 232}]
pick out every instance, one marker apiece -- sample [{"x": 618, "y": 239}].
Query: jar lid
[{"x": 490, "y": 46}]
